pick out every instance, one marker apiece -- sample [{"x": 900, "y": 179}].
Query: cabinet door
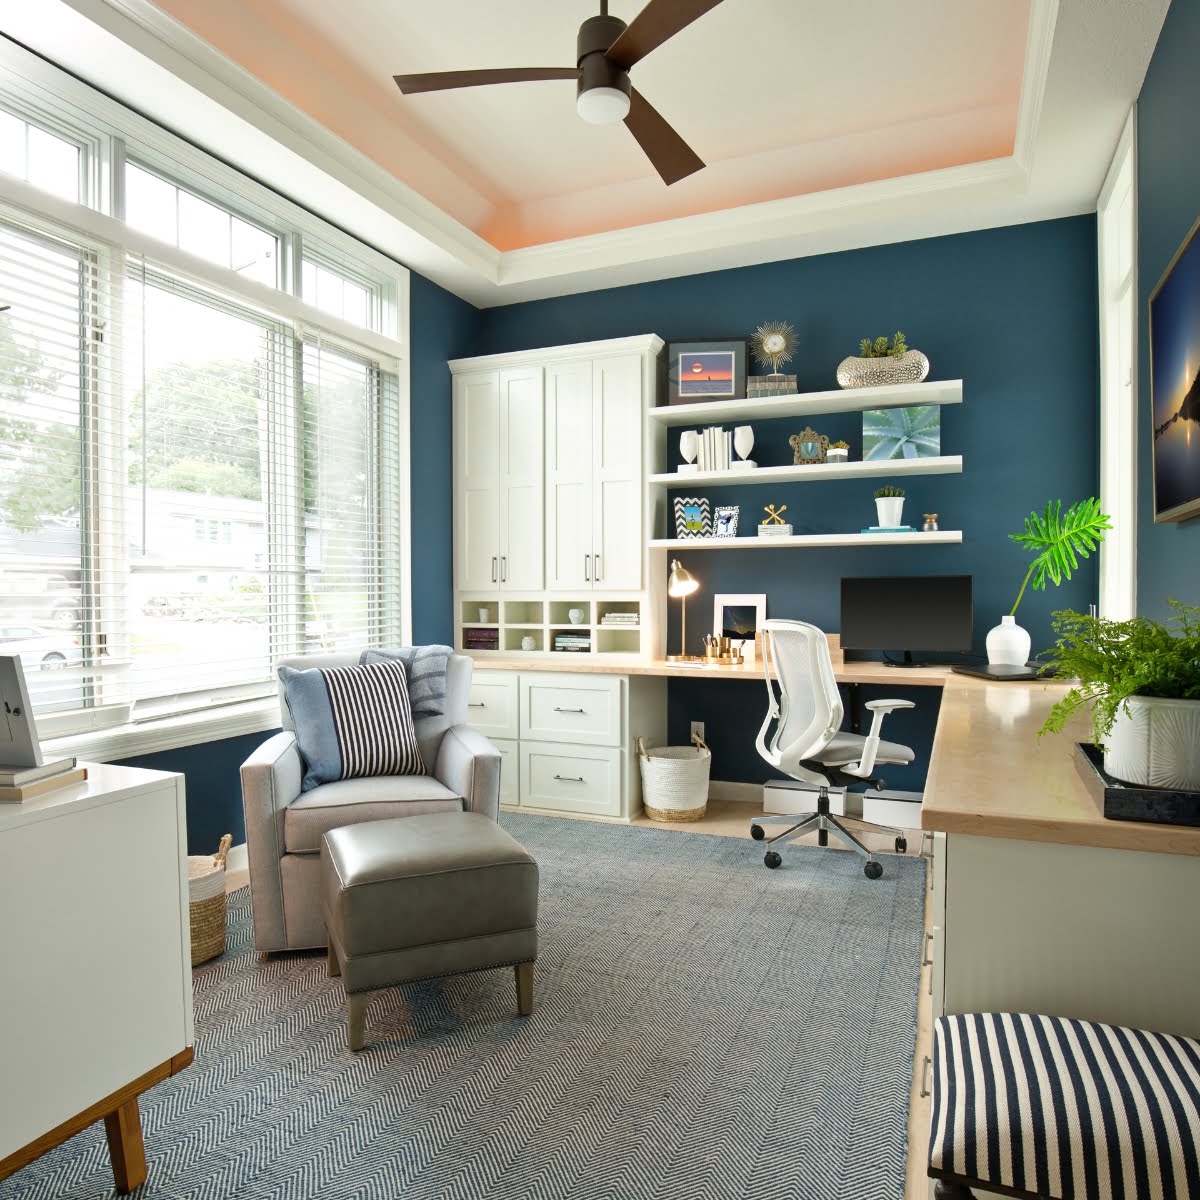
[
  {"x": 477, "y": 479},
  {"x": 569, "y": 476},
  {"x": 617, "y": 419},
  {"x": 521, "y": 473}
]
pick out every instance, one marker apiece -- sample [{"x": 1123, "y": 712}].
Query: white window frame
[
  {"x": 1116, "y": 231},
  {"x": 106, "y": 131}
]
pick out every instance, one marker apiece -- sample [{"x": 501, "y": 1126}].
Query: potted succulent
[
  {"x": 882, "y": 362},
  {"x": 1141, "y": 681},
  {"x": 837, "y": 452},
  {"x": 889, "y": 505},
  {"x": 1061, "y": 540}
]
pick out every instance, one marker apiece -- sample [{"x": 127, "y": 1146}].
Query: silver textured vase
[{"x": 854, "y": 372}]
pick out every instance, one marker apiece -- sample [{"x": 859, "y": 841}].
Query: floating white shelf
[
  {"x": 942, "y": 537},
  {"x": 814, "y": 472},
  {"x": 808, "y": 404}
]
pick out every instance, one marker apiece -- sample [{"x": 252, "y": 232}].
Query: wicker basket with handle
[
  {"x": 675, "y": 780},
  {"x": 206, "y": 902}
]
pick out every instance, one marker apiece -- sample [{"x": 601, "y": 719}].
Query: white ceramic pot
[
  {"x": 1156, "y": 743},
  {"x": 575, "y": 615},
  {"x": 836, "y": 455},
  {"x": 1008, "y": 645},
  {"x": 743, "y": 440},
  {"x": 890, "y": 510}
]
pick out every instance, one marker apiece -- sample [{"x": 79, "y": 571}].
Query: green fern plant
[
  {"x": 1060, "y": 540},
  {"x": 881, "y": 348}
]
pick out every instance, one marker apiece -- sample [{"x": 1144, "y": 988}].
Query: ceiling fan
[{"x": 606, "y": 49}]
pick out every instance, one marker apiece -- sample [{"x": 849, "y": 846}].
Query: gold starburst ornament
[{"x": 774, "y": 344}]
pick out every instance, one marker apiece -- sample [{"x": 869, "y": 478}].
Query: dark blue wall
[
  {"x": 1168, "y": 205},
  {"x": 1012, "y": 312},
  {"x": 442, "y": 327}
]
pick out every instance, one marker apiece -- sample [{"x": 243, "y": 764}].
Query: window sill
[{"x": 168, "y": 733}]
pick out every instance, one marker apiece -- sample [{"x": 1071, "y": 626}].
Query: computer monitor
[{"x": 903, "y": 613}]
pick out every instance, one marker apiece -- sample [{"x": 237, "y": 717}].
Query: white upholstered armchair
[{"x": 284, "y": 825}]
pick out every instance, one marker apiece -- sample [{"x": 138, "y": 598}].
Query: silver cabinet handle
[
  {"x": 927, "y": 961},
  {"x": 493, "y": 568},
  {"x": 587, "y": 558},
  {"x": 596, "y": 572},
  {"x": 569, "y": 778},
  {"x": 926, "y": 1076},
  {"x": 476, "y": 704},
  {"x": 569, "y": 710},
  {"x": 504, "y": 568}
]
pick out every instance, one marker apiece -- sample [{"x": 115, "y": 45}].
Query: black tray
[{"x": 1128, "y": 802}]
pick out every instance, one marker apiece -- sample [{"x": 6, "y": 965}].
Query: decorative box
[
  {"x": 773, "y": 530},
  {"x": 770, "y": 385}
]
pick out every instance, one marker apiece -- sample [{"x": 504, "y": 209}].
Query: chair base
[{"x": 824, "y": 823}]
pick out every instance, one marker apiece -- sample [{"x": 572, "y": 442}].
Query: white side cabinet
[
  {"x": 96, "y": 990},
  {"x": 569, "y": 741}
]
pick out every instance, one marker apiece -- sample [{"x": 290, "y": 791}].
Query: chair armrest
[
  {"x": 467, "y": 763},
  {"x": 879, "y": 710},
  {"x": 887, "y": 706},
  {"x": 271, "y": 779}
]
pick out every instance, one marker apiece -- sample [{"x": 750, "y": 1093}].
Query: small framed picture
[
  {"x": 693, "y": 518},
  {"x": 739, "y": 618},
  {"x": 725, "y": 520},
  {"x": 704, "y": 371}
]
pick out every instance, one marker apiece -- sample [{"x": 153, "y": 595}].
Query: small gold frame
[{"x": 808, "y": 446}]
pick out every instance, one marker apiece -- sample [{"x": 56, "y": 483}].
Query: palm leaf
[{"x": 1060, "y": 539}]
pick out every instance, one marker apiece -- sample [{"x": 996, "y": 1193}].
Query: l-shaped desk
[{"x": 1040, "y": 903}]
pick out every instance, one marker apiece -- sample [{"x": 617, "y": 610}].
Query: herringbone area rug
[{"x": 704, "y": 1029}]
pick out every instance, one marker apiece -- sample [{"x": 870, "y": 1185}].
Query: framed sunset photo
[
  {"x": 704, "y": 371},
  {"x": 1175, "y": 384}
]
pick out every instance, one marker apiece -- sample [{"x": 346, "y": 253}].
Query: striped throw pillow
[{"x": 352, "y": 722}]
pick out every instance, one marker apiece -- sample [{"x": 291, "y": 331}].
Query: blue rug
[{"x": 704, "y": 1028}]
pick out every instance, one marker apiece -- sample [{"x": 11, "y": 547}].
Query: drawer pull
[
  {"x": 926, "y": 1076},
  {"x": 569, "y": 710},
  {"x": 927, "y": 961},
  {"x": 476, "y": 704},
  {"x": 569, "y": 778}
]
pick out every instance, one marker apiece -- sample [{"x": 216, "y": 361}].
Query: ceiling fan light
[{"x": 603, "y": 105}]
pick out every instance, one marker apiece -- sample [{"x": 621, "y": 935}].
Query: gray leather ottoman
[{"x": 416, "y": 897}]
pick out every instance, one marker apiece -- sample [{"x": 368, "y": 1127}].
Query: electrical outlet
[{"x": 698, "y": 729}]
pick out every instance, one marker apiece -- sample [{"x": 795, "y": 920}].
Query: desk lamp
[{"x": 681, "y": 583}]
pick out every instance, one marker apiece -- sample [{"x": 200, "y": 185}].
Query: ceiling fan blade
[
  {"x": 440, "y": 81},
  {"x": 658, "y": 21},
  {"x": 668, "y": 153}
]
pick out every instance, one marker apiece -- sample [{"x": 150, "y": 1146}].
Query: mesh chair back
[{"x": 810, "y": 706}]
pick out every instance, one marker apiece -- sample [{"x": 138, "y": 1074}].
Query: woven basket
[
  {"x": 675, "y": 780},
  {"x": 206, "y": 902}
]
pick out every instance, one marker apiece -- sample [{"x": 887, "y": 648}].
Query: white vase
[
  {"x": 689, "y": 445},
  {"x": 1008, "y": 645},
  {"x": 743, "y": 440},
  {"x": 1156, "y": 743},
  {"x": 890, "y": 510}
]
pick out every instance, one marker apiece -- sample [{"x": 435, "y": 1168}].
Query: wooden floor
[{"x": 731, "y": 818}]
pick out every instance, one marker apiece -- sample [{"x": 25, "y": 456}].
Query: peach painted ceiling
[{"x": 780, "y": 97}]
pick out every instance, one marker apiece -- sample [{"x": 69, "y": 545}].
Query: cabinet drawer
[
  {"x": 582, "y": 779},
  {"x": 510, "y": 771},
  {"x": 492, "y": 704},
  {"x": 571, "y": 708}
]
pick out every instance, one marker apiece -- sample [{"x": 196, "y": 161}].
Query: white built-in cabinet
[
  {"x": 498, "y": 423},
  {"x": 552, "y": 513}
]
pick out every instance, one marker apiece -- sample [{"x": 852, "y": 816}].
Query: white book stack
[{"x": 716, "y": 449}]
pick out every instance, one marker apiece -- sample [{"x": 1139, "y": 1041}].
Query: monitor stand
[{"x": 908, "y": 661}]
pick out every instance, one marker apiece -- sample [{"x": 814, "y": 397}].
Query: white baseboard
[{"x": 237, "y": 868}]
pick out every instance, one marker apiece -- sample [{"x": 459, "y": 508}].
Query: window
[
  {"x": 40, "y": 157},
  {"x": 172, "y": 214},
  {"x": 337, "y": 294}
]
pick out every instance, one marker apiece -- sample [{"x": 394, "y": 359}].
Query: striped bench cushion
[{"x": 1046, "y": 1106}]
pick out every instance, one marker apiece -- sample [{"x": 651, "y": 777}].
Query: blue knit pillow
[
  {"x": 352, "y": 722},
  {"x": 426, "y": 674}
]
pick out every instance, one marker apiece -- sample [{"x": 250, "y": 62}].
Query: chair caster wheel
[
  {"x": 873, "y": 870},
  {"x": 757, "y": 832},
  {"x": 901, "y": 845},
  {"x": 772, "y": 859}
]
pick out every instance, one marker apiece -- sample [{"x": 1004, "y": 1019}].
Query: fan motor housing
[{"x": 596, "y": 34}]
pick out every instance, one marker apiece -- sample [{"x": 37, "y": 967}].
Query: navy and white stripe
[
  {"x": 1067, "y": 1109},
  {"x": 372, "y": 720}
]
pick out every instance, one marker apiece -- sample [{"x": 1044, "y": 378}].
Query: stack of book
[
  {"x": 23, "y": 783},
  {"x": 770, "y": 385},
  {"x": 629, "y": 620},
  {"x": 888, "y": 529},
  {"x": 716, "y": 449},
  {"x": 481, "y": 639},
  {"x": 573, "y": 643}
]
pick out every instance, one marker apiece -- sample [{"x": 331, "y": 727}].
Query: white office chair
[{"x": 809, "y": 744}]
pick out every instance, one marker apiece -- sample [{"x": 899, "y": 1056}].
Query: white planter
[
  {"x": 1008, "y": 645},
  {"x": 836, "y": 455},
  {"x": 890, "y": 510},
  {"x": 1156, "y": 743}
]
